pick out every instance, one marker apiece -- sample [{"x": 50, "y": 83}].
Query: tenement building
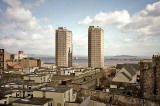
[
  {"x": 63, "y": 43},
  {"x": 150, "y": 78},
  {"x": 1, "y": 60},
  {"x": 95, "y": 47},
  {"x": 4, "y": 56}
]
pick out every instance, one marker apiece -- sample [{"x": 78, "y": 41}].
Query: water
[{"x": 85, "y": 61}]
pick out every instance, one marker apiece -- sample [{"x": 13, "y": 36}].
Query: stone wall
[{"x": 119, "y": 100}]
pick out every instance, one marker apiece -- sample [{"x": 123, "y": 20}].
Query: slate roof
[
  {"x": 130, "y": 68},
  {"x": 120, "y": 66},
  {"x": 126, "y": 76},
  {"x": 34, "y": 101},
  {"x": 14, "y": 65}
]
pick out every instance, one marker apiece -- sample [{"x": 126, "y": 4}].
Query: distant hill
[
  {"x": 85, "y": 57},
  {"x": 39, "y": 56},
  {"x": 125, "y": 56}
]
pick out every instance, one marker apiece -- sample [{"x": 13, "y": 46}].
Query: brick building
[{"x": 30, "y": 62}]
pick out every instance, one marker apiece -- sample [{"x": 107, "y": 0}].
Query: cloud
[
  {"x": 80, "y": 45},
  {"x": 1, "y": 11},
  {"x": 23, "y": 31},
  {"x": 13, "y": 3},
  {"x": 145, "y": 22},
  {"x": 17, "y": 3},
  {"x": 111, "y": 18},
  {"x": 35, "y": 4},
  {"x": 86, "y": 21},
  {"x": 127, "y": 39},
  {"x": 151, "y": 10},
  {"x": 20, "y": 18},
  {"x": 134, "y": 34}
]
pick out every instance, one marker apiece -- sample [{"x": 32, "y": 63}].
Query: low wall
[{"x": 116, "y": 99}]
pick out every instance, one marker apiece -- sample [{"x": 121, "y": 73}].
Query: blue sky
[{"x": 130, "y": 26}]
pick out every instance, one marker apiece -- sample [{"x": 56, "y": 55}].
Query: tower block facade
[
  {"x": 63, "y": 43},
  {"x": 95, "y": 47}
]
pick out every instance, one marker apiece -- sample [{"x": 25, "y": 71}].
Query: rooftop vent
[{"x": 48, "y": 89}]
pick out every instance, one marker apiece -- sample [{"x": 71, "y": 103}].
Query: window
[
  {"x": 29, "y": 87},
  {"x": 44, "y": 95},
  {"x": 2, "y": 64},
  {"x": 17, "y": 95},
  {"x": 1, "y": 51},
  {"x": 5, "y": 102},
  {"x": 44, "y": 79},
  {"x": 49, "y": 104},
  {"x": 58, "y": 104}
]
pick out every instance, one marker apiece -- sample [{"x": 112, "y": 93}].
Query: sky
[{"x": 131, "y": 27}]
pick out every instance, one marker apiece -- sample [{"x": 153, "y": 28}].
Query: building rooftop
[
  {"x": 6, "y": 105},
  {"x": 24, "y": 82},
  {"x": 15, "y": 65},
  {"x": 120, "y": 66},
  {"x": 6, "y": 91},
  {"x": 55, "y": 89},
  {"x": 146, "y": 60},
  {"x": 131, "y": 69},
  {"x": 36, "y": 75},
  {"x": 34, "y": 101},
  {"x": 95, "y": 27},
  {"x": 62, "y": 29},
  {"x": 129, "y": 78}
]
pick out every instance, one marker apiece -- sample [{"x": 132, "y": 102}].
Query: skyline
[{"x": 130, "y": 27}]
